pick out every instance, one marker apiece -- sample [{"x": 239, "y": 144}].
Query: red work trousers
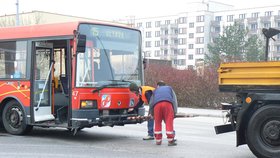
[{"x": 163, "y": 111}]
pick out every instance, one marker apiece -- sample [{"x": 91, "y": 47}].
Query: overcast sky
[{"x": 117, "y": 9}]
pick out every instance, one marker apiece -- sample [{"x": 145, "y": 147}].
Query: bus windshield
[{"x": 113, "y": 54}]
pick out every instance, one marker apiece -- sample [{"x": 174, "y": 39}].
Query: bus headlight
[{"x": 88, "y": 104}]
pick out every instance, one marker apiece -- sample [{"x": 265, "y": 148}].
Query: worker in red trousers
[{"x": 163, "y": 107}]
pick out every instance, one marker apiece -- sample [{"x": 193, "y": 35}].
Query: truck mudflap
[
  {"x": 232, "y": 110},
  {"x": 224, "y": 128}
]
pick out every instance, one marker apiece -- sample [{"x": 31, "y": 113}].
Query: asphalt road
[{"x": 196, "y": 139}]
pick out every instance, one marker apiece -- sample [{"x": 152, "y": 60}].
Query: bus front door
[{"x": 42, "y": 78}]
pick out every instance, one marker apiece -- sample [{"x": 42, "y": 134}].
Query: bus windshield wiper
[{"x": 107, "y": 85}]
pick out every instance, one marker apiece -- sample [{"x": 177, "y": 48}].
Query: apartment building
[
  {"x": 183, "y": 38},
  {"x": 255, "y": 19}
]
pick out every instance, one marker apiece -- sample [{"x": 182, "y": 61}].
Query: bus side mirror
[{"x": 81, "y": 45}]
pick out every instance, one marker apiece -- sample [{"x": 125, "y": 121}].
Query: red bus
[{"x": 71, "y": 75}]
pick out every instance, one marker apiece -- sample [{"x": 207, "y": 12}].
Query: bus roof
[{"x": 45, "y": 30}]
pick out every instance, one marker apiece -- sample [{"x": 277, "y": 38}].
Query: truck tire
[
  {"x": 14, "y": 119},
  {"x": 263, "y": 132}
]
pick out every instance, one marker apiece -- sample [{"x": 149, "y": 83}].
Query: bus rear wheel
[
  {"x": 263, "y": 132},
  {"x": 14, "y": 119}
]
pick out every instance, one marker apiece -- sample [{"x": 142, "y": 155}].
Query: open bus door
[{"x": 42, "y": 81}]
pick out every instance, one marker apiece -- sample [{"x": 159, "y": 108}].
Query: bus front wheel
[
  {"x": 263, "y": 132},
  {"x": 14, "y": 119}
]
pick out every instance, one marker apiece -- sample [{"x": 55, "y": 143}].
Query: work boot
[
  {"x": 158, "y": 143},
  {"x": 172, "y": 143},
  {"x": 148, "y": 138}
]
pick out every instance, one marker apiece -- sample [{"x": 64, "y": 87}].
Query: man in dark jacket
[{"x": 163, "y": 107}]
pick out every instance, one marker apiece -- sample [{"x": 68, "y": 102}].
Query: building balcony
[
  {"x": 169, "y": 36},
  {"x": 214, "y": 34},
  {"x": 164, "y": 57},
  {"x": 277, "y": 17},
  {"x": 169, "y": 46},
  {"x": 277, "y": 42},
  {"x": 255, "y": 31},
  {"x": 168, "y": 26},
  {"x": 164, "y": 36},
  {"x": 252, "y": 20},
  {"x": 265, "y": 18},
  {"x": 240, "y": 21},
  {"x": 163, "y": 47},
  {"x": 215, "y": 23}
]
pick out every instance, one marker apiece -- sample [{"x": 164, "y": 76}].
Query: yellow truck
[{"x": 255, "y": 115}]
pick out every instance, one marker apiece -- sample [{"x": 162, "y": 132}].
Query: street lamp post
[{"x": 17, "y": 14}]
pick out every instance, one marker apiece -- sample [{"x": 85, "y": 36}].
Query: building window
[
  {"x": 242, "y": 16},
  {"x": 157, "y": 43},
  {"x": 278, "y": 24},
  {"x": 181, "y": 62},
  {"x": 165, "y": 42},
  {"x": 199, "y": 40},
  {"x": 230, "y": 18},
  {"x": 218, "y": 18},
  {"x": 254, "y": 26},
  {"x": 268, "y": 13},
  {"x": 191, "y": 25},
  {"x": 148, "y": 54},
  {"x": 148, "y": 24},
  {"x": 182, "y": 41},
  {"x": 190, "y": 46},
  {"x": 182, "y": 20},
  {"x": 157, "y": 53},
  {"x": 175, "y": 51},
  {"x": 167, "y": 22},
  {"x": 165, "y": 32},
  {"x": 255, "y": 15},
  {"x": 200, "y": 18},
  {"x": 191, "y": 35},
  {"x": 181, "y": 51},
  {"x": 267, "y": 25},
  {"x": 190, "y": 56},
  {"x": 157, "y": 33},
  {"x": 157, "y": 24},
  {"x": 175, "y": 41},
  {"x": 278, "y": 36},
  {"x": 165, "y": 52},
  {"x": 148, "y": 44},
  {"x": 278, "y": 48},
  {"x": 182, "y": 30},
  {"x": 148, "y": 34},
  {"x": 199, "y": 29},
  {"x": 199, "y": 51},
  {"x": 139, "y": 24},
  {"x": 217, "y": 29}
]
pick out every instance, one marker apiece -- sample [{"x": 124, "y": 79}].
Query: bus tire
[
  {"x": 14, "y": 119},
  {"x": 263, "y": 132}
]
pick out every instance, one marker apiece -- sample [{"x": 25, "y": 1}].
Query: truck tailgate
[{"x": 249, "y": 76}]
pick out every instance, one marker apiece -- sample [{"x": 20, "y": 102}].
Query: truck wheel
[
  {"x": 263, "y": 132},
  {"x": 14, "y": 119}
]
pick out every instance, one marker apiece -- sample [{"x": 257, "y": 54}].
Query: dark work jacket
[{"x": 163, "y": 93}]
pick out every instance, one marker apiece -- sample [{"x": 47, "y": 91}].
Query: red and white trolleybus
[{"x": 71, "y": 75}]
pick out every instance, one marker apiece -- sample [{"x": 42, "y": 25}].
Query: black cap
[
  {"x": 161, "y": 83},
  {"x": 133, "y": 87}
]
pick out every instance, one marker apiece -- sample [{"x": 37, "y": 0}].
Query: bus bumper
[{"x": 94, "y": 117}]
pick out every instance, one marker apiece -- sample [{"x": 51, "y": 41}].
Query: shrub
[{"x": 192, "y": 89}]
